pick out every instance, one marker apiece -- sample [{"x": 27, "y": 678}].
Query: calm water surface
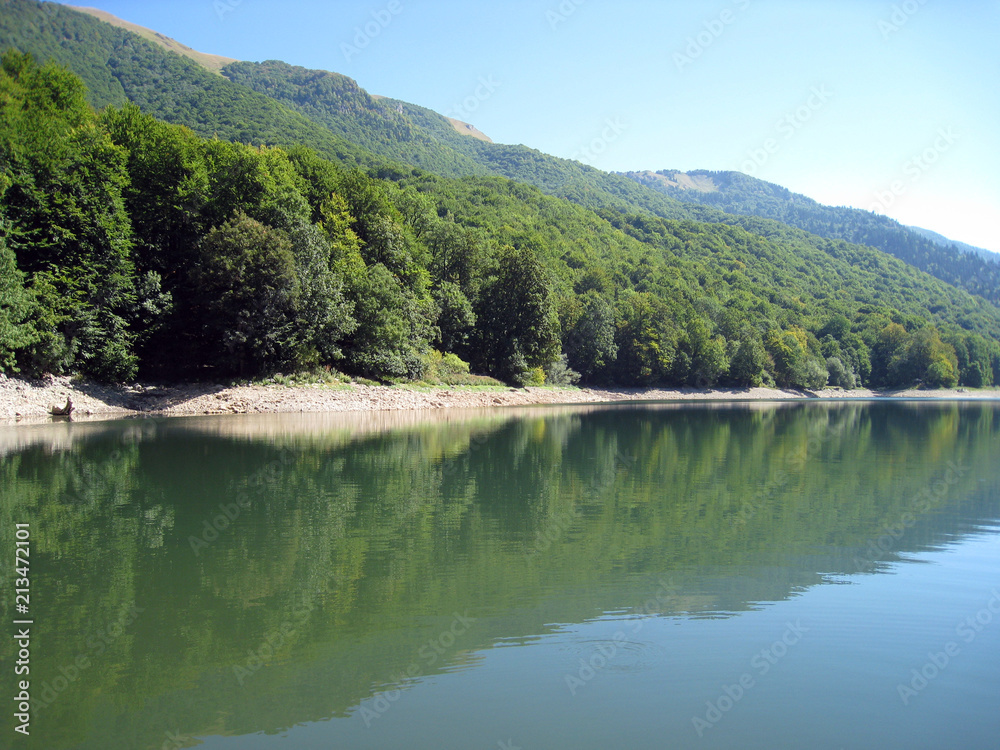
[{"x": 793, "y": 575}]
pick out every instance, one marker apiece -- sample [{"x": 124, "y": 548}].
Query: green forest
[
  {"x": 737, "y": 193},
  {"x": 131, "y": 247}
]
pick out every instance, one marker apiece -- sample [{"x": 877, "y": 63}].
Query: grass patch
[{"x": 323, "y": 376}]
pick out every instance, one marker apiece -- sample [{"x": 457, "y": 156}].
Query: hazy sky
[{"x": 888, "y": 106}]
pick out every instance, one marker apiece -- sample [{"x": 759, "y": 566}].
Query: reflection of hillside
[
  {"x": 313, "y": 427},
  {"x": 366, "y": 540}
]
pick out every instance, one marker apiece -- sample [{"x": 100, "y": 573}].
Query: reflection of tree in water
[{"x": 360, "y": 551}]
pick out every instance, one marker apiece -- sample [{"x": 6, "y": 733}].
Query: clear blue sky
[{"x": 892, "y": 106}]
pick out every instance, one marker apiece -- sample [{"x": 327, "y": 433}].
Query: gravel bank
[{"x": 32, "y": 400}]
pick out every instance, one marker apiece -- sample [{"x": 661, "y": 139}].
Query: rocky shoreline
[{"x": 31, "y": 401}]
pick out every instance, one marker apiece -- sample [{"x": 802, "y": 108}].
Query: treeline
[{"x": 134, "y": 248}]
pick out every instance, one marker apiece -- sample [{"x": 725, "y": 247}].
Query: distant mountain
[
  {"x": 740, "y": 194},
  {"x": 940, "y": 239}
]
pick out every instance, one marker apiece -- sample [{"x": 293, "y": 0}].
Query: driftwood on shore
[{"x": 62, "y": 411}]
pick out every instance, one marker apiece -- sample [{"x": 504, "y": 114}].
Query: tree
[
  {"x": 646, "y": 337},
  {"x": 837, "y": 327},
  {"x": 973, "y": 357},
  {"x": 787, "y": 350},
  {"x": 394, "y": 328},
  {"x": 248, "y": 291},
  {"x": 167, "y": 191},
  {"x": 702, "y": 354},
  {"x": 887, "y": 349},
  {"x": 323, "y": 313},
  {"x": 16, "y": 307},
  {"x": 839, "y": 374},
  {"x": 748, "y": 362},
  {"x": 589, "y": 340},
  {"x": 517, "y": 328},
  {"x": 929, "y": 359},
  {"x": 456, "y": 319},
  {"x": 68, "y": 226}
]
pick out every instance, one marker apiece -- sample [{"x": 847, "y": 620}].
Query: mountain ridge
[
  {"x": 940, "y": 239},
  {"x": 207, "y": 60},
  {"x": 736, "y": 194}
]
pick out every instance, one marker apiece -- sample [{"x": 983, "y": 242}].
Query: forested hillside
[
  {"x": 135, "y": 247},
  {"x": 338, "y": 103},
  {"x": 279, "y": 104},
  {"x": 939, "y": 239},
  {"x": 119, "y": 66},
  {"x": 737, "y": 193}
]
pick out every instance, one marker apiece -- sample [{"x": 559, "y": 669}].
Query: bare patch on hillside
[{"x": 214, "y": 63}]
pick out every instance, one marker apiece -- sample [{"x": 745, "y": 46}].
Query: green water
[{"x": 657, "y": 576}]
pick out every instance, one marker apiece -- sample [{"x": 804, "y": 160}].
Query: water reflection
[{"x": 228, "y": 576}]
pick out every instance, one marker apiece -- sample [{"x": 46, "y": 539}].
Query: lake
[{"x": 752, "y": 575}]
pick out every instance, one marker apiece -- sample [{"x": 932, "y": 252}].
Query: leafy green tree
[
  {"x": 394, "y": 328},
  {"x": 811, "y": 372},
  {"x": 68, "y": 226},
  {"x": 560, "y": 373},
  {"x": 517, "y": 328},
  {"x": 748, "y": 363},
  {"x": 323, "y": 312},
  {"x": 589, "y": 341},
  {"x": 458, "y": 255},
  {"x": 927, "y": 358},
  {"x": 167, "y": 190},
  {"x": 249, "y": 292},
  {"x": 973, "y": 358},
  {"x": 646, "y": 338},
  {"x": 456, "y": 319},
  {"x": 16, "y": 307},
  {"x": 887, "y": 351},
  {"x": 788, "y": 351},
  {"x": 396, "y": 317},
  {"x": 837, "y": 327},
  {"x": 839, "y": 374},
  {"x": 701, "y": 356},
  {"x": 795, "y": 364}
]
